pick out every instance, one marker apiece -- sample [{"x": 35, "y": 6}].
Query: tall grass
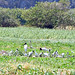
[
  {"x": 13, "y": 38},
  {"x": 36, "y": 33}
]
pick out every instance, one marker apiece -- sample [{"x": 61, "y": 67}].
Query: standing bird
[
  {"x": 55, "y": 54},
  {"x": 10, "y": 53},
  {"x": 16, "y": 53},
  {"x": 63, "y": 54},
  {"x": 25, "y": 47},
  {"x": 30, "y": 54},
  {"x": 41, "y": 54}
]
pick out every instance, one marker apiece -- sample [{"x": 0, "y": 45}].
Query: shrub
[
  {"x": 47, "y": 15},
  {"x": 7, "y": 20}
]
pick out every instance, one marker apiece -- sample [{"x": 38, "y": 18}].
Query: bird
[
  {"x": 30, "y": 54},
  {"x": 36, "y": 54},
  {"x": 44, "y": 49},
  {"x": 68, "y": 54},
  {"x": 25, "y": 47},
  {"x": 16, "y": 53},
  {"x": 4, "y": 53},
  {"x": 63, "y": 54},
  {"x": 10, "y": 53},
  {"x": 55, "y": 53},
  {"x": 59, "y": 56},
  {"x": 46, "y": 54},
  {"x": 41, "y": 54}
]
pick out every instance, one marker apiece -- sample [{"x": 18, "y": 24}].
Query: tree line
[{"x": 43, "y": 14}]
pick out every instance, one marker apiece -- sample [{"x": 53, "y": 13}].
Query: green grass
[
  {"x": 36, "y": 33},
  {"x": 61, "y": 40}
]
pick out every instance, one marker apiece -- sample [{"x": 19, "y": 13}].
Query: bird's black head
[
  {"x": 49, "y": 50},
  {"x": 33, "y": 51},
  {"x": 17, "y": 49},
  {"x": 40, "y": 48},
  {"x": 25, "y": 43}
]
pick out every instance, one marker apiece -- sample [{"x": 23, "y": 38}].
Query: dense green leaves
[
  {"x": 44, "y": 15},
  {"x": 48, "y": 15},
  {"x": 7, "y": 20}
]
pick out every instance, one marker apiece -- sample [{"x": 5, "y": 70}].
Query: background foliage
[{"x": 44, "y": 15}]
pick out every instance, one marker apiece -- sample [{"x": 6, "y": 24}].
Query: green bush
[
  {"x": 7, "y": 20},
  {"x": 47, "y": 15},
  {"x": 41, "y": 15},
  {"x": 17, "y": 14}
]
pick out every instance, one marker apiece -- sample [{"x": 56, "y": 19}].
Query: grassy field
[
  {"x": 36, "y": 33},
  {"x": 60, "y": 40}
]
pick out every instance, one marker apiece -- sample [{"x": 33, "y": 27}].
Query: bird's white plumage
[
  {"x": 41, "y": 54},
  {"x": 25, "y": 47},
  {"x": 30, "y": 54},
  {"x": 10, "y": 53},
  {"x": 46, "y": 54},
  {"x": 45, "y": 49},
  {"x": 36, "y": 54},
  {"x": 59, "y": 56},
  {"x": 62, "y": 54}
]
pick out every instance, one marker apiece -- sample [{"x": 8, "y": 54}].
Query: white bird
[
  {"x": 59, "y": 56},
  {"x": 30, "y": 53},
  {"x": 16, "y": 53},
  {"x": 45, "y": 49},
  {"x": 11, "y": 53},
  {"x": 41, "y": 54},
  {"x": 55, "y": 53},
  {"x": 36, "y": 54},
  {"x": 46, "y": 54},
  {"x": 63, "y": 54},
  {"x": 25, "y": 47}
]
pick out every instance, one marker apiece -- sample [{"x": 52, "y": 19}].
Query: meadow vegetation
[
  {"x": 18, "y": 26},
  {"x": 61, "y": 40}
]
